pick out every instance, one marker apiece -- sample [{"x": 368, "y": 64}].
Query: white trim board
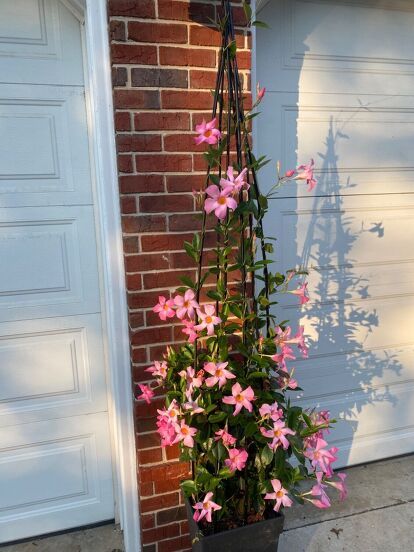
[{"x": 100, "y": 104}]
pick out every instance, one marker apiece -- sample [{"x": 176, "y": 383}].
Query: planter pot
[{"x": 262, "y": 536}]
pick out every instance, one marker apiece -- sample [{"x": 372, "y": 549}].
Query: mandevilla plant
[{"x": 227, "y": 388}]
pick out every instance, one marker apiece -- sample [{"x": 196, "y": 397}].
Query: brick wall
[{"x": 164, "y": 56}]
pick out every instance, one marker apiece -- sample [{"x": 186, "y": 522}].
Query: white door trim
[{"x": 99, "y": 97}]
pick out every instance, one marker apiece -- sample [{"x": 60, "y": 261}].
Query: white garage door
[
  {"x": 340, "y": 79},
  {"x": 55, "y": 454}
]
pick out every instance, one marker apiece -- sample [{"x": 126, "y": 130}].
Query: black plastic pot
[{"x": 262, "y": 536}]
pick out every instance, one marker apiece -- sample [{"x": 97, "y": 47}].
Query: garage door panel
[
  {"x": 51, "y": 472},
  {"x": 51, "y": 368},
  {"x": 355, "y": 370},
  {"x": 39, "y": 43},
  {"x": 357, "y": 413},
  {"x": 50, "y": 271},
  {"x": 340, "y": 83},
  {"x": 361, "y": 144},
  {"x": 314, "y": 46},
  {"x": 44, "y": 156}
]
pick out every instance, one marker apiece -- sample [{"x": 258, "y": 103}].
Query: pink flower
[
  {"x": 193, "y": 406},
  {"x": 289, "y": 174},
  {"x": 193, "y": 380},
  {"x": 189, "y": 330},
  {"x": 235, "y": 184},
  {"x": 164, "y": 308},
  {"x": 186, "y": 305},
  {"x": 207, "y": 132},
  {"x": 260, "y": 93},
  {"x": 286, "y": 381},
  {"x": 228, "y": 440},
  {"x": 280, "y": 495},
  {"x": 301, "y": 292},
  {"x": 159, "y": 369},
  {"x": 285, "y": 354},
  {"x": 146, "y": 393},
  {"x": 166, "y": 431},
  {"x": 300, "y": 342},
  {"x": 240, "y": 398},
  {"x": 271, "y": 411},
  {"x": 205, "y": 508},
  {"x": 171, "y": 413},
  {"x": 319, "y": 490},
  {"x": 219, "y": 201},
  {"x": 208, "y": 319},
  {"x": 320, "y": 457},
  {"x": 305, "y": 172},
  {"x": 340, "y": 485},
  {"x": 219, "y": 374},
  {"x": 237, "y": 459},
  {"x": 278, "y": 435},
  {"x": 185, "y": 434}
]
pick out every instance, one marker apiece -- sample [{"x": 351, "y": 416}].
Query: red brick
[
  {"x": 144, "y": 300},
  {"x": 182, "y": 143},
  {"x": 119, "y": 76},
  {"x": 136, "y": 320},
  {"x": 134, "y": 53},
  {"x": 128, "y": 205},
  {"x": 122, "y": 121},
  {"x": 203, "y": 79},
  {"x": 171, "y": 242},
  {"x": 139, "y": 354},
  {"x": 208, "y": 36},
  {"x": 173, "y": 452},
  {"x": 125, "y": 163},
  {"x": 185, "y": 11},
  {"x": 159, "y": 78},
  {"x": 148, "y": 440},
  {"x": 148, "y": 521},
  {"x": 165, "y": 279},
  {"x": 187, "y": 57},
  {"x": 146, "y": 424},
  {"x": 150, "y": 456},
  {"x": 145, "y": 336},
  {"x": 146, "y": 223},
  {"x": 163, "y": 163},
  {"x": 138, "y": 142},
  {"x": 178, "y": 223},
  {"x": 183, "y": 99},
  {"x": 138, "y": 183},
  {"x": 175, "y": 545},
  {"x": 162, "y": 121},
  {"x": 133, "y": 282},
  {"x": 159, "y": 502},
  {"x": 117, "y": 30},
  {"x": 167, "y": 485},
  {"x": 157, "y": 32},
  {"x": 244, "y": 60},
  {"x": 161, "y": 533},
  {"x": 144, "y": 410},
  {"x": 172, "y": 515},
  {"x": 146, "y": 489},
  {"x": 132, "y": 8},
  {"x": 137, "y": 99},
  {"x": 185, "y": 183},
  {"x": 165, "y": 471},
  {"x": 166, "y": 203},
  {"x": 147, "y": 262},
  {"x": 130, "y": 245}
]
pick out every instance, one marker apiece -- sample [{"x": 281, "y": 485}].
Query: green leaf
[
  {"x": 187, "y": 281},
  {"x": 247, "y": 11},
  {"x": 260, "y": 24},
  {"x": 236, "y": 310},
  {"x": 189, "y": 487},
  {"x": 225, "y": 473},
  {"x": 214, "y": 295},
  {"x": 254, "y": 375},
  {"x": 266, "y": 456},
  {"x": 217, "y": 417},
  {"x": 250, "y": 429},
  {"x": 232, "y": 49}
]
